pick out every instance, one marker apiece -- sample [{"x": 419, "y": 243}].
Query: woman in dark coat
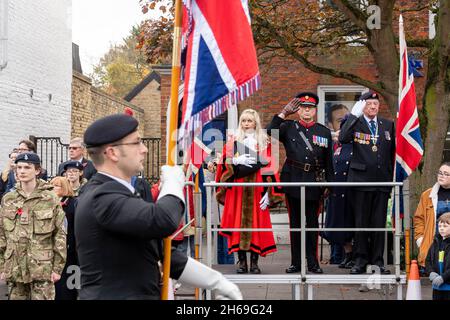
[
  {"x": 65, "y": 290},
  {"x": 339, "y": 214}
]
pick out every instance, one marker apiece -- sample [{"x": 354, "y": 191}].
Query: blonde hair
[
  {"x": 65, "y": 186},
  {"x": 260, "y": 136}
]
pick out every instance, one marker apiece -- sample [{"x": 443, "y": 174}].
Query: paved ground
[{"x": 275, "y": 264}]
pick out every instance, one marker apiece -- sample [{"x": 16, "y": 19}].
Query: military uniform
[
  {"x": 32, "y": 242},
  {"x": 372, "y": 161},
  {"x": 304, "y": 163},
  {"x": 339, "y": 214},
  {"x": 118, "y": 234}
]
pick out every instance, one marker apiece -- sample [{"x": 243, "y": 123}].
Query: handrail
[
  {"x": 302, "y": 186},
  {"x": 173, "y": 236}
]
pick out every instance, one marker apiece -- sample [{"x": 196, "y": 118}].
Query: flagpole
[
  {"x": 405, "y": 225},
  {"x": 172, "y": 138}
]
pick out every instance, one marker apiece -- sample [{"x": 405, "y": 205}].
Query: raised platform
[{"x": 275, "y": 274}]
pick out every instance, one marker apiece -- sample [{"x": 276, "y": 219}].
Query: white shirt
[
  {"x": 80, "y": 160},
  {"x": 121, "y": 181}
]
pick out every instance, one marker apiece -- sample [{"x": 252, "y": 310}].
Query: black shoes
[
  {"x": 383, "y": 270},
  {"x": 296, "y": 269},
  {"x": 293, "y": 269},
  {"x": 347, "y": 263},
  {"x": 315, "y": 269},
  {"x": 254, "y": 263},
  {"x": 242, "y": 263},
  {"x": 357, "y": 270}
]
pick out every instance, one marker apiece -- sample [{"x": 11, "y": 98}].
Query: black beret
[
  {"x": 369, "y": 95},
  {"x": 308, "y": 99},
  {"x": 28, "y": 157},
  {"x": 73, "y": 164},
  {"x": 109, "y": 129}
]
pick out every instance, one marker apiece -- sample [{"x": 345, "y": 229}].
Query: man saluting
[
  {"x": 309, "y": 159},
  {"x": 372, "y": 161}
]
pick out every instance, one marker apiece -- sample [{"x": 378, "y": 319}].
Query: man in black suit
[
  {"x": 76, "y": 153},
  {"x": 309, "y": 159},
  {"x": 119, "y": 234},
  {"x": 372, "y": 161}
]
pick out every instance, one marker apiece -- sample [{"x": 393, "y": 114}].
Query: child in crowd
[{"x": 438, "y": 260}]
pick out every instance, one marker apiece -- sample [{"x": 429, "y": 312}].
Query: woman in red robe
[{"x": 246, "y": 158}]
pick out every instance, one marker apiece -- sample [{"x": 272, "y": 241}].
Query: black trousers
[
  {"x": 311, "y": 236},
  {"x": 441, "y": 295},
  {"x": 370, "y": 211}
]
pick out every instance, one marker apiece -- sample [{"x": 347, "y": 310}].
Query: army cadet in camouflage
[{"x": 32, "y": 236}]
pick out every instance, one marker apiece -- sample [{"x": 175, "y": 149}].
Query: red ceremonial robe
[{"x": 241, "y": 204}]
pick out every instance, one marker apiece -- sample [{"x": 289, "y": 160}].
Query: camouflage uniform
[{"x": 32, "y": 242}]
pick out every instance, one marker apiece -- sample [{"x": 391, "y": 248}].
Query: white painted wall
[{"x": 39, "y": 59}]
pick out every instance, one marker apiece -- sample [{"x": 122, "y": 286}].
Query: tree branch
[
  {"x": 416, "y": 9},
  {"x": 315, "y": 68},
  {"x": 354, "y": 14}
]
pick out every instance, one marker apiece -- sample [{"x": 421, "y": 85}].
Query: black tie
[{"x": 373, "y": 127}]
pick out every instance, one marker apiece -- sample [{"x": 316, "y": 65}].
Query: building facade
[{"x": 35, "y": 82}]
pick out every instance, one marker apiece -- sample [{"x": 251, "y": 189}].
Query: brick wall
[
  {"x": 149, "y": 99},
  {"x": 39, "y": 59},
  {"x": 166, "y": 78},
  {"x": 90, "y": 104}
]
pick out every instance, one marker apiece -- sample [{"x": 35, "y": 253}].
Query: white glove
[
  {"x": 265, "y": 201},
  {"x": 419, "y": 242},
  {"x": 245, "y": 160},
  {"x": 432, "y": 276},
  {"x": 438, "y": 281},
  {"x": 358, "y": 108},
  {"x": 172, "y": 182},
  {"x": 198, "y": 275}
]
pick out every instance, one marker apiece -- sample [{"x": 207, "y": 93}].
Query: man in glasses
[
  {"x": 76, "y": 153},
  {"x": 119, "y": 234}
]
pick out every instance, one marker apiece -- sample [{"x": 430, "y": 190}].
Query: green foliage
[{"x": 122, "y": 67}]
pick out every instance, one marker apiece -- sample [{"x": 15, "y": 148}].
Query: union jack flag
[
  {"x": 409, "y": 147},
  {"x": 220, "y": 66}
]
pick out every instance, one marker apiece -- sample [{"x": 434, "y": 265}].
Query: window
[
  {"x": 3, "y": 33},
  {"x": 331, "y": 95}
]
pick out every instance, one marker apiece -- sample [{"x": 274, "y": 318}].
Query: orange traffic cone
[{"x": 414, "y": 291}]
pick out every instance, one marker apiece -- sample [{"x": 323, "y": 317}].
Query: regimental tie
[{"x": 374, "y": 138}]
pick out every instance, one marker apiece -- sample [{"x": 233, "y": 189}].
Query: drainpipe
[{"x": 3, "y": 34}]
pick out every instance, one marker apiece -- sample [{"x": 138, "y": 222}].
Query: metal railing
[{"x": 303, "y": 229}]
